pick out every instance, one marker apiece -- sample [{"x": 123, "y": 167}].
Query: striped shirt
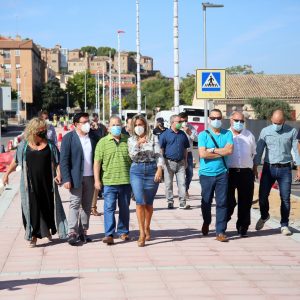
[{"x": 114, "y": 160}]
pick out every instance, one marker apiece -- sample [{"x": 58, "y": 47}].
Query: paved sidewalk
[{"x": 178, "y": 263}]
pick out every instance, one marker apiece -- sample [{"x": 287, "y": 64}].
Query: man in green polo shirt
[{"x": 111, "y": 170}]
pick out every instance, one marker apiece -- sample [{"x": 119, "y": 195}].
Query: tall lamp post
[
  {"x": 138, "y": 60},
  {"x": 119, "y": 69},
  {"x": 25, "y": 101},
  {"x": 103, "y": 97},
  {"x": 176, "y": 57},
  {"x": 204, "y": 6},
  {"x": 85, "y": 108},
  {"x": 110, "y": 86},
  {"x": 19, "y": 91}
]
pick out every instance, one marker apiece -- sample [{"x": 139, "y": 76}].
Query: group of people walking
[{"x": 125, "y": 163}]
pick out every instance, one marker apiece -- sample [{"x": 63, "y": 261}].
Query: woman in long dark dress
[{"x": 42, "y": 210}]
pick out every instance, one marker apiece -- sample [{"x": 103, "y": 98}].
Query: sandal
[
  {"x": 32, "y": 243},
  {"x": 148, "y": 235},
  {"x": 141, "y": 241}
]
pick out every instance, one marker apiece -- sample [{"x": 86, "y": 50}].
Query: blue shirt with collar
[
  {"x": 174, "y": 143},
  {"x": 277, "y": 145}
]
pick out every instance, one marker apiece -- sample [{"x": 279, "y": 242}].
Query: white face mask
[
  {"x": 184, "y": 124},
  {"x": 139, "y": 130},
  {"x": 86, "y": 127}
]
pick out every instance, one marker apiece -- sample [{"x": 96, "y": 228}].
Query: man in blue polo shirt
[
  {"x": 174, "y": 144},
  {"x": 213, "y": 172}
]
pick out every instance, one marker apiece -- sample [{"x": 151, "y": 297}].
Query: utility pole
[
  {"x": 110, "y": 89},
  {"x": 103, "y": 97},
  {"x": 138, "y": 59},
  {"x": 119, "y": 67},
  {"x": 85, "y": 90},
  {"x": 176, "y": 57}
]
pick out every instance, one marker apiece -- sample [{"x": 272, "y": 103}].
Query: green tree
[
  {"x": 263, "y": 108},
  {"x": 104, "y": 51},
  {"x": 187, "y": 89},
  {"x": 158, "y": 91},
  {"x": 89, "y": 49},
  {"x": 241, "y": 70},
  {"x": 52, "y": 96},
  {"x": 14, "y": 94},
  {"x": 75, "y": 88}
]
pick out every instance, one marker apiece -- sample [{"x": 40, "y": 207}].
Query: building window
[
  {"x": 18, "y": 66},
  {"x": 17, "y": 52},
  {"x": 54, "y": 61},
  {"x": 6, "y": 54}
]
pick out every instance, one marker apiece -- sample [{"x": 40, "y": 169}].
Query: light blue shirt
[
  {"x": 277, "y": 145},
  {"x": 215, "y": 166}
]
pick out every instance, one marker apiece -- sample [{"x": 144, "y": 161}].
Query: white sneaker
[
  {"x": 285, "y": 230},
  {"x": 183, "y": 205}
]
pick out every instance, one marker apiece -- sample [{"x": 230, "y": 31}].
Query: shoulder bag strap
[{"x": 217, "y": 146}]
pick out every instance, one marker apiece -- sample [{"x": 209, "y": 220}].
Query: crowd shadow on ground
[{"x": 14, "y": 285}]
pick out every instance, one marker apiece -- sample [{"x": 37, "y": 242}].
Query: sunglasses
[
  {"x": 240, "y": 121},
  {"x": 215, "y": 118}
]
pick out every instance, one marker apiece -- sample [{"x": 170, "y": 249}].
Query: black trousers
[{"x": 241, "y": 180}]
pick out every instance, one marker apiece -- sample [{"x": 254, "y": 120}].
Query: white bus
[{"x": 129, "y": 113}]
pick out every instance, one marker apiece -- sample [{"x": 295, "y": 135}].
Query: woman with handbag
[
  {"x": 42, "y": 211},
  {"x": 145, "y": 172}
]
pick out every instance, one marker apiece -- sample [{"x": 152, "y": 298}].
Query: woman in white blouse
[{"x": 145, "y": 172}]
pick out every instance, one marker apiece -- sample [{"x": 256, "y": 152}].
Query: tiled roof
[{"x": 262, "y": 86}]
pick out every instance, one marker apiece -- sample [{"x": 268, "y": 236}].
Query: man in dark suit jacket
[{"x": 76, "y": 163}]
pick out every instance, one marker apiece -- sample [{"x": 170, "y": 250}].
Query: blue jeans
[
  {"x": 113, "y": 194},
  {"x": 218, "y": 185},
  {"x": 284, "y": 178},
  {"x": 142, "y": 182},
  {"x": 189, "y": 171}
]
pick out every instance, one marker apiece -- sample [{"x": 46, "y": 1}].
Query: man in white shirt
[
  {"x": 76, "y": 165},
  {"x": 241, "y": 175}
]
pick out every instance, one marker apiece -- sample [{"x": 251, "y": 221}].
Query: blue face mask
[
  {"x": 216, "y": 123},
  {"x": 277, "y": 127},
  {"x": 116, "y": 130},
  {"x": 238, "y": 126}
]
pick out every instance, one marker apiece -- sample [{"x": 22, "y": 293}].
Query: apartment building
[
  {"x": 99, "y": 63},
  {"x": 21, "y": 67},
  {"x": 146, "y": 63}
]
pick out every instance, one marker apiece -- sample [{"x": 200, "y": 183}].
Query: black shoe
[
  {"x": 170, "y": 205},
  {"x": 84, "y": 238},
  {"x": 242, "y": 232},
  {"x": 72, "y": 240}
]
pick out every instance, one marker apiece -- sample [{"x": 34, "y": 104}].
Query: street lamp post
[
  {"x": 110, "y": 86},
  {"x": 138, "y": 59},
  {"x": 204, "y": 6},
  {"x": 25, "y": 101},
  {"x": 145, "y": 106},
  {"x": 85, "y": 90},
  {"x": 18, "y": 101},
  {"x": 103, "y": 97},
  {"x": 176, "y": 57},
  {"x": 119, "y": 69}
]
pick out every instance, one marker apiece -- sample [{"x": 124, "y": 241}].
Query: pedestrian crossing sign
[{"x": 210, "y": 84}]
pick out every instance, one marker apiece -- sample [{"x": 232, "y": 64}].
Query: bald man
[
  {"x": 277, "y": 140},
  {"x": 241, "y": 176}
]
